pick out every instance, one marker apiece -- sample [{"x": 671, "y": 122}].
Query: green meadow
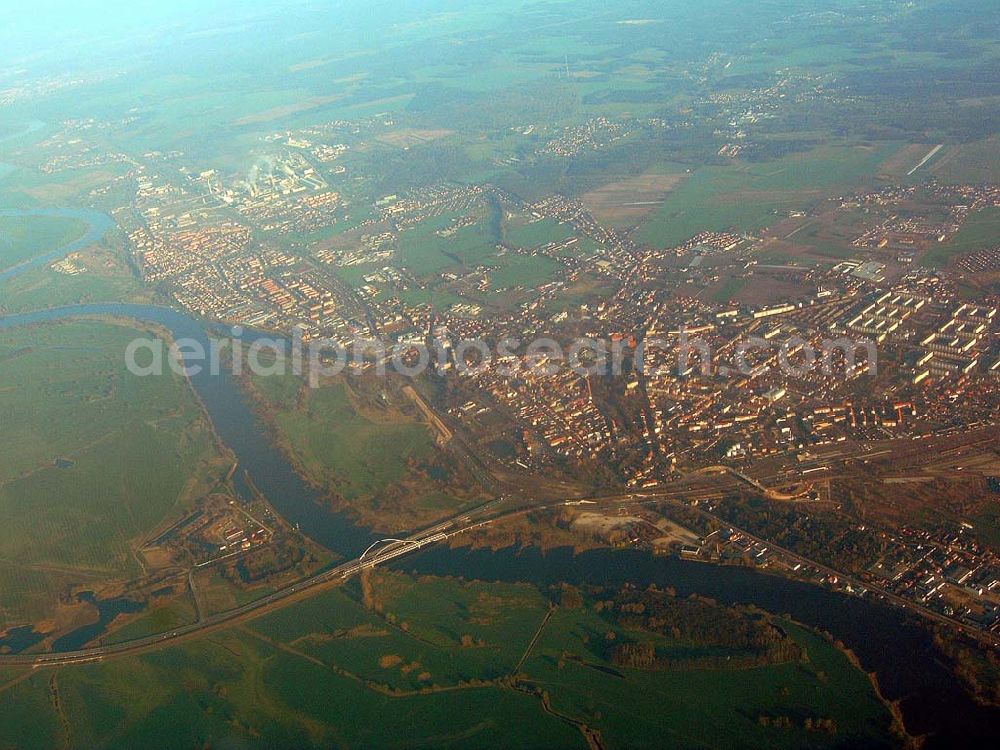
[
  {"x": 130, "y": 451},
  {"x": 402, "y": 661},
  {"x": 977, "y": 162},
  {"x": 981, "y": 231},
  {"x": 368, "y": 448},
  {"x": 104, "y": 275},
  {"x": 531, "y": 234},
  {"x": 426, "y": 253},
  {"x": 23, "y": 238},
  {"x": 524, "y": 270},
  {"x": 338, "y": 445},
  {"x": 729, "y": 289},
  {"x": 418, "y": 634},
  {"x": 42, "y": 288},
  {"x": 28, "y": 187},
  {"x": 699, "y": 708}
]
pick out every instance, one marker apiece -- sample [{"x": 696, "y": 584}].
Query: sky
[
  {"x": 60, "y": 27},
  {"x": 57, "y": 33}
]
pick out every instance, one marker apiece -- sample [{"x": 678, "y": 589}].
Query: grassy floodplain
[
  {"x": 28, "y": 237},
  {"x": 367, "y": 447},
  {"x": 94, "y": 458},
  {"x": 683, "y": 708},
  {"x": 42, "y": 288},
  {"x": 101, "y": 273},
  {"x": 347, "y": 449},
  {"x": 395, "y": 657}
]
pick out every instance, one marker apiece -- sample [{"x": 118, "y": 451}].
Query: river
[
  {"x": 238, "y": 426},
  {"x": 887, "y": 640},
  {"x": 98, "y": 224}
]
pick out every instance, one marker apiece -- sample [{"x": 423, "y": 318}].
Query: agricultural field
[
  {"x": 976, "y": 163},
  {"x": 94, "y": 459},
  {"x": 748, "y": 197},
  {"x": 626, "y": 203}
]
